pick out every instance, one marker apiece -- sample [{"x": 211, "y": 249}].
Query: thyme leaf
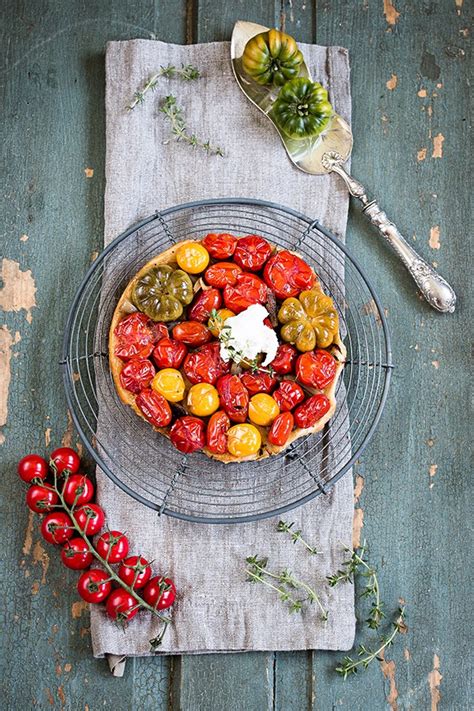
[
  {"x": 174, "y": 115},
  {"x": 187, "y": 72}
]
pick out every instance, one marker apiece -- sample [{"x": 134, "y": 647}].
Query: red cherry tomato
[
  {"x": 192, "y": 333},
  {"x": 40, "y": 499},
  {"x": 252, "y": 252},
  {"x": 247, "y": 290},
  {"x": 205, "y": 365},
  {"x": 307, "y": 414},
  {"x": 187, "y": 434},
  {"x": 57, "y": 527},
  {"x": 316, "y": 368},
  {"x": 75, "y": 554},
  {"x": 135, "y": 571},
  {"x": 94, "y": 586},
  {"x": 78, "y": 490},
  {"x": 160, "y": 593},
  {"x": 259, "y": 382},
  {"x": 204, "y": 302},
  {"x": 220, "y": 246},
  {"x": 137, "y": 374},
  {"x": 234, "y": 397},
  {"x": 288, "y": 395},
  {"x": 288, "y": 275},
  {"x": 112, "y": 546},
  {"x": 216, "y": 434},
  {"x": 285, "y": 359},
  {"x": 90, "y": 518},
  {"x": 169, "y": 353},
  {"x": 65, "y": 458},
  {"x": 154, "y": 408},
  {"x": 32, "y": 467},
  {"x": 221, "y": 274},
  {"x": 280, "y": 429},
  {"x": 121, "y": 605},
  {"x": 134, "y": 336}
]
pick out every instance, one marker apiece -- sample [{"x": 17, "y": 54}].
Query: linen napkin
[{"x": 147, "y": 170}]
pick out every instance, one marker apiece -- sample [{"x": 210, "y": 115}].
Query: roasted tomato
[
  {"x": 316, "y": 369},
  {"x": 216, "y": 434},
  {"x": 288, "y": 395},
  {"x": 204, "y": 302},
  {"x": 205, "y": 365},
  {"x": 259, "y": 382},
  {"x": 307, "y": 414},
  {"x": 220, "y": 246},
  {"x": 169, "y": 383},
  {"x": 192, "y": 333},
  {"x": 287, "y": 274},
  {"x": 234, "y": 397},
  {"x": 285, "y": 360},
  {"x": 247, "y": 290},
  {"x": 134, "y": 336},
  {"x": 159, "y": 331},
  {"x": 221, "y": 274},
  {"x": 169, "y": 353},
  {"x": 252, "y": 252},
  {"x": 187, "y": 434},
  {"x": 216, "y": 322},
  {"x": 192, "y": 257},
  {"x": 137, "y": 374},
  {"x": 154, "y": 408},
  {"x": 281, "y": 428},
  {"x": 263, "y": 409},
  {"x": 243, "y": 440},
  {"x": 203, "y": 399}
]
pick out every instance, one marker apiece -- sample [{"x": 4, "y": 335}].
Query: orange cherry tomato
[
  {"x": 263, "y": 409},
  {"x": 247, "y": 290},
  {"x": 221, "y": 274},
  {"x": 281, "y": 428},
  {"x": 192, "y": 257},
  {"x": 215, "y": 323},
  {"x": 316, "y": 368},
  {"x": 287, "y": 274},
  {"x": 205, "y": 301},
  {"x": 220, "y": 246},
  {"x": 243, "y": 440},
  {"x": 203, "y": 399},
  {"x": 252, "y": 252},
  {"x": 307, "y": 414},
  {"x": 216, "y": 435},
  {"x": 169, "y": 383},
  {"x": 192, "y": 333}
]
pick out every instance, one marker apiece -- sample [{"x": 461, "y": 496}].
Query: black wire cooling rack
[{"x": 144, "y": 463}]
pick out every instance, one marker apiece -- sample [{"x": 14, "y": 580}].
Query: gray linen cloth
[{"x": 146, "y": 170}]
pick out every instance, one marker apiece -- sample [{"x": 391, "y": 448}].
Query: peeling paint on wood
[
  {"x": 434, "y": 240},
  {"x": 6, "y": 342},
  {"x": 434, "y": 682},
  {"x": 421, "y": 155},
  {"x": 390, "y": 12},
  {"x": 392, "y": 83},
  {"x": 388, "y": 670},
  {"x": 438, "y": 146},
  {"x": 40, "y": 556},
  {"x": 18, "y": 290},
  {"x": 47, "y": 436},
  {"x": 358, "y": 488},
  {"x": 357, "y": 526},
  {"x": 28, "y": 542},
  {"x": 24, "y": 238},
  {"x": 78, "y": 607},
  {"x": 422, "y": 93},
  {"x": 435, "y": 364},
  {"x": 89, "y": 172}
]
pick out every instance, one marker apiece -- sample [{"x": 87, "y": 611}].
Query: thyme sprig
[
  {"x": 285, "y": 527},
  {"x": 350, "y": 666},
  {"x": 175, "y": 116},
  {"x": 257, "y": 572},
  {"x": 187, "y": 72},
  {"x": 113, "y": 576},
  {"x": 357, "y": 565},
  {"x": 225, "y": 337}
]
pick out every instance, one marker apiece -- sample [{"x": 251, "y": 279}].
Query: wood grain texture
[{"x": 411, "y": 117}]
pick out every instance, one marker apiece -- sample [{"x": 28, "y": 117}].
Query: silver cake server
[{"x": 327, "y": 153}]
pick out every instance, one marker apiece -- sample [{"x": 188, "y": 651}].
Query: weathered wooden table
[{"x": 409, "y": 83}]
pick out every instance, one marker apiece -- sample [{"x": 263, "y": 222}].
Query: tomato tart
[{"x": 227, "y": 345}]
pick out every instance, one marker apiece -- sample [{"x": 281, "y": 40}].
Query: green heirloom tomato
[
  {"x": 272, "y": 58},
  {"x": 162, "y": 292},
  {"x": 302, "y": 109}
]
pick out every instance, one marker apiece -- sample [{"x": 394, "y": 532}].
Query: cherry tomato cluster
[
  {"x": 227, "y": 411},
  {"x": 64, "y": 495}
]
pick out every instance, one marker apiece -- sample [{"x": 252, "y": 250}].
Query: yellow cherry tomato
[
  {"x": 243, "y": 440},
  {"x": 192, "y": 257},
  {"x": 203, "y": 399},
  {"x": 169, "y": 383},
  {"x": 263, "y": 409},
  {"x": 215, "y": 324}
]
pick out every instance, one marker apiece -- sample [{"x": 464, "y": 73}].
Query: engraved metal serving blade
[{"x": 326, "y": 153}]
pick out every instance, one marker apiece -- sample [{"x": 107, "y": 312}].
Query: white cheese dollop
[{"x": 249, "y": 336}]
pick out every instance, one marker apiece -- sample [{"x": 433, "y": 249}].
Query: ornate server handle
[{"x": 436, "y": 290}]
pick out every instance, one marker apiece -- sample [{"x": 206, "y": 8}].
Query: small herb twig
[
  {"x": 186, "y": 72},
  {"x": 285, "y": 527},
  {"x": 350, "y": 666},
  {"x": 357, "y": 565},
  {"x": 175, "y": 116},
  {"x": 225, "y": 337}
]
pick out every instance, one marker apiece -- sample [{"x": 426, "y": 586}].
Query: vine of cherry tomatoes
[{"x": 63, "y": 496}]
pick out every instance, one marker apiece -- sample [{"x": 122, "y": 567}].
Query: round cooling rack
[{"x": 196, "y": 488}]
